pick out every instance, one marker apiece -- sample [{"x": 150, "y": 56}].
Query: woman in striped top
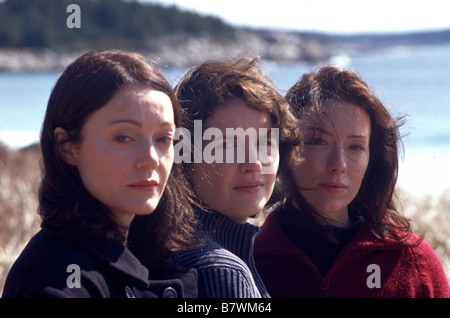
[{"x": 250, "y": 135}]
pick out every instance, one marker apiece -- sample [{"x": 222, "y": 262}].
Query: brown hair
[
  {"x": 66, "y": 207},
  {"x": 215, "y": 83},
  {"x": 375, "y": 199}
]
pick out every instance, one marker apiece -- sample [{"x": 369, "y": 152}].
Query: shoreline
[{"x": 179, "y": 50}]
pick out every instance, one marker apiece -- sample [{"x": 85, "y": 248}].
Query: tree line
[{"x": 42, "y": 24}]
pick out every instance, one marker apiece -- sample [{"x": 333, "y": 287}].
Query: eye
[
  {"x": 357, "y": 147},
  {"x": 315, "y": 137},
  {"x": 227, "y": 144},
  {"x": 264, "y": 142},
  {"x": 315, "y": 141},
  {"x": 123, "y": 139},
  {"x": 165, "y": 140}
]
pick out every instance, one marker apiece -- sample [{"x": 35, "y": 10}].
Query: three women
[{"x": 107, "y": 195}]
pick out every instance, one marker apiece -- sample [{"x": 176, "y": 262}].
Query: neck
[
  {"x": 338, "y": 219},
  {"x": 343, "y": 222}
]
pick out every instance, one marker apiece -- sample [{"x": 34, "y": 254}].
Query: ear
[{"x": 66, "y": 148}]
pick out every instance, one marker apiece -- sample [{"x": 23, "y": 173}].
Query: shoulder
[
  {"x": 42, "y": 266},
  {"x": 272, "y": 238},
  {"x": 45, "y": 266},
  {"x": 421, "y": 264},
  {"x": 42, "y": 251},
  {"x": 210, "y": 255},
  {"x": 417, "y": 268},
  {"x": 422, "y": 254},
  {"x": 221, "y": 274}
]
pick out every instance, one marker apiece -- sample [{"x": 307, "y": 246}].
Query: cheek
[
  {"x": 357, "y": 173},
  {"x": 102, "y": 178},
  {"x": 271, "y": 164},
  {"x": 209, "y": 178},
  {"x": 165, "y": 165},
  {"x": 269, "y": 183},
  {"x": 94, "y": 162}
]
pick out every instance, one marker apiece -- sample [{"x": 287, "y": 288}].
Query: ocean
[{"x": 411, "y": 81}]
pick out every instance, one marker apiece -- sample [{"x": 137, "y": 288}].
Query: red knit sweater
[{"x": 365, "y": 267}]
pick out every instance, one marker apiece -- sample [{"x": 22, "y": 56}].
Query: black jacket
[{"x": 84, "y": 268}]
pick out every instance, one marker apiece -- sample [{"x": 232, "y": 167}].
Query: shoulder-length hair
[
  {"x": 375, "y": 199},
  {"x": 66, "y": 207},
  {"x": 214, "y": 83}
]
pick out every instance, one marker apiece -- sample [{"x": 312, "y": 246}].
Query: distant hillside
[
  {"x": 42, "y": 24},
  {"x": 34, "y": 36},
  {"x": 412, "y": 38}
]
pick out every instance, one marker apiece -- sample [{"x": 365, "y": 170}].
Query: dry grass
[
  {"x": 431, "y": 217},
  {"x": 19, "y": 180}
]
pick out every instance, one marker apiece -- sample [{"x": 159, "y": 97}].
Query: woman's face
[
  {"x": 126, "y": 151},
  {"x": 336, "y": 156},
  {"x": 237, "y": 188}
]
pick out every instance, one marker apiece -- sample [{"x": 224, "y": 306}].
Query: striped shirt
[{"x": 225, "y": 264}]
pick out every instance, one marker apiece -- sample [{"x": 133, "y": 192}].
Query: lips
[
  {"x": 249, "y": 187},
  {"x": 145, "y": 185},
  {"x": 334, "y": 187}
]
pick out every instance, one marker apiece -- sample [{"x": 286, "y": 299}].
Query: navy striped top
[{"x": 225, "y": 264}]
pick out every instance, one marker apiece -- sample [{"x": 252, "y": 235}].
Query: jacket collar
[
  {"x": 111, "y": 252},
  {"x": 273, "y": 239},
  {"x": 236, "y": 237}
]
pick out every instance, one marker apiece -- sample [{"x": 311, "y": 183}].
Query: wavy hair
[
  {"x": 65, "y": 206},
  {"x": 213, "y": 83},
  {"x": 375, "y": 200}
]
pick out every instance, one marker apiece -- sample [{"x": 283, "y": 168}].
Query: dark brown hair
[
  {"x": 66, "y": 207},
  {"x": 376, "y": 197},
  {"x": 214, "y": 83}
]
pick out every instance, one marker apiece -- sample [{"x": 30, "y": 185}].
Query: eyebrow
[
  {"x": 137, "y": 123},
  {"x": 357, "y": 136},
  {"x": 125, "y": 121},
  {"x": 326, "y": 132}
]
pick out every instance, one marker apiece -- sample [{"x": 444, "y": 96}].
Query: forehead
[
  {"x": 141, "y": 102},
  {"x": 236, "y": 113},
  {"x": 343, "y": 116}
]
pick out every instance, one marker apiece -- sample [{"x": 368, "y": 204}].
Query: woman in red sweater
[{"x": 339, "y": 233}]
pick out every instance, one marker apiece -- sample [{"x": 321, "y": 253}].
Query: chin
[
  {"x": 149, "y": 209},
  {"x": 252, "y": 211}
]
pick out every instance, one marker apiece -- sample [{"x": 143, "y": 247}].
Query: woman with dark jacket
[
  {"x": 110, "y": 223},
  {"x": 339, "y": 234}
]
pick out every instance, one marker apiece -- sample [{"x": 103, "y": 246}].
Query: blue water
[{"x": 409, "y": 81}]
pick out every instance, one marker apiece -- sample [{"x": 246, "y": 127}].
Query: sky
[{"x": 329, "y": 16}]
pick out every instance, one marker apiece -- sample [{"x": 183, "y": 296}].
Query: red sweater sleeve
[{"x": 433, "y": 281}]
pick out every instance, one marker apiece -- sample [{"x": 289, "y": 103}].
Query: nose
[
  {"x": 149, "y": 158},
  {"x": 337, "y": 162},
  {"x": 252, "y": 161},
  {"x": 249, "y": 167}
]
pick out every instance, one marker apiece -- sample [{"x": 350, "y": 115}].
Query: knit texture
[
  {"x": 404, "y": 272},
  {"x": 225, "y": 263}
]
